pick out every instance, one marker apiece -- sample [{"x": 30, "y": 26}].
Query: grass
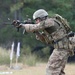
[
  {"x": 32, "y": 69},
  {"x": 4, "y": 56},
  {"x": 29, "y": 59}
]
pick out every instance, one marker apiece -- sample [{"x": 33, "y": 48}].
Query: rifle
[{"x": 16, "y": 23}]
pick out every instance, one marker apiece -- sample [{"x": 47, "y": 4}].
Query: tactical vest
[
  {"x": 56, "y": 32},
  {"x": 63, "y": 21}
]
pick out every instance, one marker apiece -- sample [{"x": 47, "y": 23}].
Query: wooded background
[{"x": 18, "y": 9}]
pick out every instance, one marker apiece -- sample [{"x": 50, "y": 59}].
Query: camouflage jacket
[{"x": 52, "y": 30}]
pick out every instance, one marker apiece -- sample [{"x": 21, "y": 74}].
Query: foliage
[
  {"x": 29, "y": 59},
  {"x": 18, "y": 9}
]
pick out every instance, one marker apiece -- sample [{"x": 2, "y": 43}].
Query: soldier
[{"x": 51, "y": 31}]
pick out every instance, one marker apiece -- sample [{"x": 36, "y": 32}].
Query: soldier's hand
[{"x": 16, "y": 23}]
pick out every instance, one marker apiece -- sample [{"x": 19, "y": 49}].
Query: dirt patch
[{"x": 39, "y": 69}]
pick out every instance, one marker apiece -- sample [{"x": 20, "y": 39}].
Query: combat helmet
[{"x": 39, "y": 14}]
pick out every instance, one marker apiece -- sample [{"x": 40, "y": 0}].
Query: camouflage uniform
[
  {"x": 57, "y": 62},
  {"x": 72, "y": 40},
  {"x": 53, "y": 30}
]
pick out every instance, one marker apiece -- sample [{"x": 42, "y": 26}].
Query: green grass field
[{"x": 36, "y": 70}]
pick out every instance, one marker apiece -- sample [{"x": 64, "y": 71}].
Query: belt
[{"x": 61, "y": 45}]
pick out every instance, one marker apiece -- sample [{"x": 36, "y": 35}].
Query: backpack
[{"x": 63, "y": 21}]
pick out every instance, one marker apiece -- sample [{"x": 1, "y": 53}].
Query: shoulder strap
[{"x": 63, "y": 21}]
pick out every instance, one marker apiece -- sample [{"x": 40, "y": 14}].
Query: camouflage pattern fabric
[
  {"x": 72, "y": 40},
  {"x": 53, "y": 30},
  {"x": 57, "y": 62},
  {"x": 40, "y": 26}
]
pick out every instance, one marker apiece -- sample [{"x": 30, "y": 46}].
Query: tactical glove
[{"x": 16, "y": 23}]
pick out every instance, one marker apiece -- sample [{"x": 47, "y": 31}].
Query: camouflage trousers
[{"x": 57, "y": 62}]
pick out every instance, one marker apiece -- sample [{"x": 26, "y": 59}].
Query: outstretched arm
[{"x": 40, "y": 26}]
